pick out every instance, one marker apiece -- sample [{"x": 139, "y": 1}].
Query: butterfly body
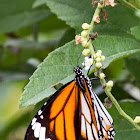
[{"x": 74, "y": 112}]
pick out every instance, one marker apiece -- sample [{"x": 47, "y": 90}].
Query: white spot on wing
[
  {"x": 42, "y": 133},
  {"x": 45, "y": 103},
  {"x": 39, "y": 112},
  {"x": 85, "y": 109},
  {"x": 33, "y": 121},
  {"x": 37, "y": 130},
  {"x": 33, "y": 127},
  {"x": 41, "y": 116},
  {"x": 48, "y": 139}
]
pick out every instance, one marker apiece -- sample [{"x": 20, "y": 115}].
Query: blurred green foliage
[{"x": 30, "y": 30}]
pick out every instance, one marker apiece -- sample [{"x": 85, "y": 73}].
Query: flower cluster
[
  {"x": 98, "y": 57},
  {"x": 83, "y": 37},
  {"x": 84, "y": 34}
]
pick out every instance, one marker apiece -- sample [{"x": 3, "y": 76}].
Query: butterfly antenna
[
  {"x": 79, "y": 58},
  {"x": 89, "y": 69},
  {"x": 64, "y": 57}
]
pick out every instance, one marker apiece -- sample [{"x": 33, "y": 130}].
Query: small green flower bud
[
  {"x": 98, "y": 54},
  {"x": 85, "y": 44},
  {"x": 98, "y": 59},
  {"x": 137, "y": 119},
  {"x": 86, "y": 52},
  {"x": 102, "y": 58},
  {"x": 85, "y": 26},
  {"x": 99, "y": 51},
  {"x": 102, "y": 75},
  {"x": 109, "y": 83},
  {"x": 98, "y": 65},
  {"x": 100, "y": 5},
  {"x": 84, "y": 33},
  {"x": 83, "y": 39}
]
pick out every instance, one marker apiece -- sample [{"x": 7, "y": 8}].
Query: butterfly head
[{"x": 78, "y": 70}]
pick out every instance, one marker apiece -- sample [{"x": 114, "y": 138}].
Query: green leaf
[
  {"x": 124, "y": 129},
  {"x": 133, "y": 65},
  {"x": 116, "y": 47},
  {"x": 67, "y": 37},
  {"x": 74, "y": 12},
  {"x": 113, "y": 71},
  {"x": 55, "y": 68},
  {"x": 135, "y": 31},
  {"x": 38, "y": 3},
  {"x": 77, "y": 12},
  {"x": 137, "y": 13},
  {"x": 11, "y": 16}
]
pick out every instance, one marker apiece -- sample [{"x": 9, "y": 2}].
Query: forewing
[{"x": 56, "y": 119}]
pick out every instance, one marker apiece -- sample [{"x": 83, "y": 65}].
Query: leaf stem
[
  {"x": 103, "y": 81},
  {"x": 129, "y": 5}
]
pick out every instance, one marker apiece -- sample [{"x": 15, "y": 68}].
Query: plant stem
[
  {"x": 96, "y": 13},
  {"x": 103, "y": 82},
  {"x": 108, "y": 93},
  {"x": 129, "y": 5}
]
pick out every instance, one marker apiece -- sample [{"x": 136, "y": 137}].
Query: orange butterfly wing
[{"x": 57, "y": 119}]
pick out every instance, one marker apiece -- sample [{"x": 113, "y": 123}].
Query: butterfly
[{"x": 74, "y": 112}]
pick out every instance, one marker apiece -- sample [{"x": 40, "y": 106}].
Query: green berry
[
  {"x": 85, "y": 44},
  {"x": 102, "y": 57},
  {"x": 86, "y": 52},
  {"x": 98, "y": 65},
  {"x": 84, "y": 33},
  {"x": 98, "y": 54},
  {"x": 102, "y": 75},
  {"x": 98, "y": 59},
  {"x": 85, "y": 26},
  {"x": 109, "y": 83}
]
